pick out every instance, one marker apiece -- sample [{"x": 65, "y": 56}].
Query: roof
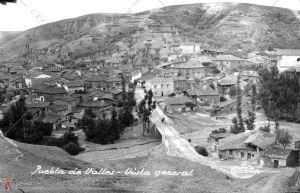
[
  {"x": 219, "y": 135},
  {"x": 261, "y": 139},
  {"x": 67, "y": 99},
  {"x": 234, "y": 142},
  {"x": 249, "y": 73},
  {"x": 228, "y": 80},
  {"x": 192, "y": 63},
  {"x": 160, "y": 80},
  {"x": 239, "y": 141},
  {"x": 96, "y": 78},
  {"x": 228, "y": 102},
  {"x": 276, "y": 152},
  {"x": 95, "y": 104},
  {"x": 202, "y": 90},
  {"x": 58, "y": 105},
  {"x": 51, "y": 119},
  {"x": 52, "y": 90},
  {"x": 178, "y": 100},
  {"x": 287, "y": 52},
  {"x": 227, "y": 58},
  {"x": 76, "y": 83}
]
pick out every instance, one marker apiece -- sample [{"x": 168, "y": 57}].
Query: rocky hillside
[{"x": 232, "y": 26}]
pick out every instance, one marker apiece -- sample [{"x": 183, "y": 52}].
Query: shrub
[
  {"x": 72, "y": 148},
  {"x": 201, "y": 150},
  {"x": 265, "y": 128}
]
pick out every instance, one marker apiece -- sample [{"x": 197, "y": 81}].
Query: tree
[
  {"x": 250, "y": 120},
  {"x": 145, "y": 108},
  {"x": 283, "y": 137},
  {"x": 239, "y": 106},
  {"x": 201, "y": 150},
  {"x": 278, "y": 93}
]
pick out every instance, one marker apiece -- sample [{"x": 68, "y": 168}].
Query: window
[
  {"x": 230, "y": 152},
  {"x": 155, "y": 86},
  {"x": 168, "y": 85},
  {"x": 242, "y": 154},
  {"x": 162, "y": 85}
]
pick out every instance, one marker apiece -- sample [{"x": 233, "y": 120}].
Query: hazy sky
[{"x": 30, "y": 13}]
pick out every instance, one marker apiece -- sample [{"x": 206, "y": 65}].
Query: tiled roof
[
  {"x": 76, "y": 83},
  {"x": 287, "y": 52},
  {"x": 228, "y": 102},
  {"x": 95, "y": 104},
  {"x": 234, "y": 142},
  {"x": 239, "y": 141},
  {"x": 192, "y": 63},
  {"x": 220, "y": 135},
  {"x": 202, "y": 91},
  {"x": 249, "y": 73},
  {"x": 227, "y": 58},
  {"x": 178, "y": 100},
  {"x": 52, "y": 90},
  {"x": 261, "y": 139},
  {"x": 51, "y": 119},
  {"x": 160, "y": 80},
  {"x": 276, "y": 152},
  {"x": 96, "y": 78},
  {"x": 58, "y": 106}
]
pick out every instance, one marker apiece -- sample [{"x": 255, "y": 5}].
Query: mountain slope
[{"x": 232, "y": 26}]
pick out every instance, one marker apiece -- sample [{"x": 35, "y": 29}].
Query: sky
[{"x": 26, "y": 14}]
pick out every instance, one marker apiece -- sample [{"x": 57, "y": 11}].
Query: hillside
[{"x": 232, "y": 26}]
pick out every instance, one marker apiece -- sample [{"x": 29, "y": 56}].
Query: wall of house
[
  {"x": 180, "y": 86},
  {"x": 161, "y": 89},
  {"x": 192, "y": 72},
  {"x": 209, "y": 99},
  {"x": 269, "y": 162}
]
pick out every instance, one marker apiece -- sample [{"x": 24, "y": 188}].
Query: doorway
[{"x": 276, "y": 163}]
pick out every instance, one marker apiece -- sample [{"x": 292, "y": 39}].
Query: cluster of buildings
[
  {"x": 59, "y": 96},
  {"x": 256, "y": 147}
]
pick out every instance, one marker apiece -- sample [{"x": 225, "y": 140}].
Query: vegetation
[
  {"x": 250, "y": 120},
  {"x": 201, "y": 150},
  {"x": 283, "y": 137},
  {"x": 220, "y": 130},
  {"x": 19, "y": 124},
  {"x": 68, "y": 142},
  {"x": 278, "y": 93},
  {"x": 145, "y": 108},
  {"x": 238, "y": 122},
  {"x": 265, "y": 128}
]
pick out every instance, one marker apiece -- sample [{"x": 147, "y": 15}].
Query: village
[{"x": 201, "y": 92}]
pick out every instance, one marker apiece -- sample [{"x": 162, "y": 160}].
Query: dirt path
[{"x": 176, "y": 145}]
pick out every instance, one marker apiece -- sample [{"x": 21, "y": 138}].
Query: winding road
[{"x": 176, "y": 145}]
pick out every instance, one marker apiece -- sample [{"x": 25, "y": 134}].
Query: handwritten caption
[{"x": 108, "y": 172}]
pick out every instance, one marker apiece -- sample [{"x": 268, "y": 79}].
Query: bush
[
  {"x": 68, "y": 142},
  {"x": 72, "y": 148},
  {"x": 265, "y": 128},
  {"x": 201, "y": 150}
]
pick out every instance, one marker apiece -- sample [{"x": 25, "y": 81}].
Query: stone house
[
  {"x": 203, "y": 95},
  {"x": 74, "y": 86},
  {"x": 50, "y": 93},
  {"x": 228, "y": 62},
  {"x": 275, "y": 156},
  {"x": 96, "y": 81},
  {"x": 160, "y": 86},
  {"x": 287, "y": 58},
  {"x": 245, "y": 146},
  {"x": 190, "y": 69},
  {"x": 180, "y": 84},
  {"x": 179, "y": 104},
  {"x": 228, "y": 106},
  {"x": 189, "y": 48}
]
